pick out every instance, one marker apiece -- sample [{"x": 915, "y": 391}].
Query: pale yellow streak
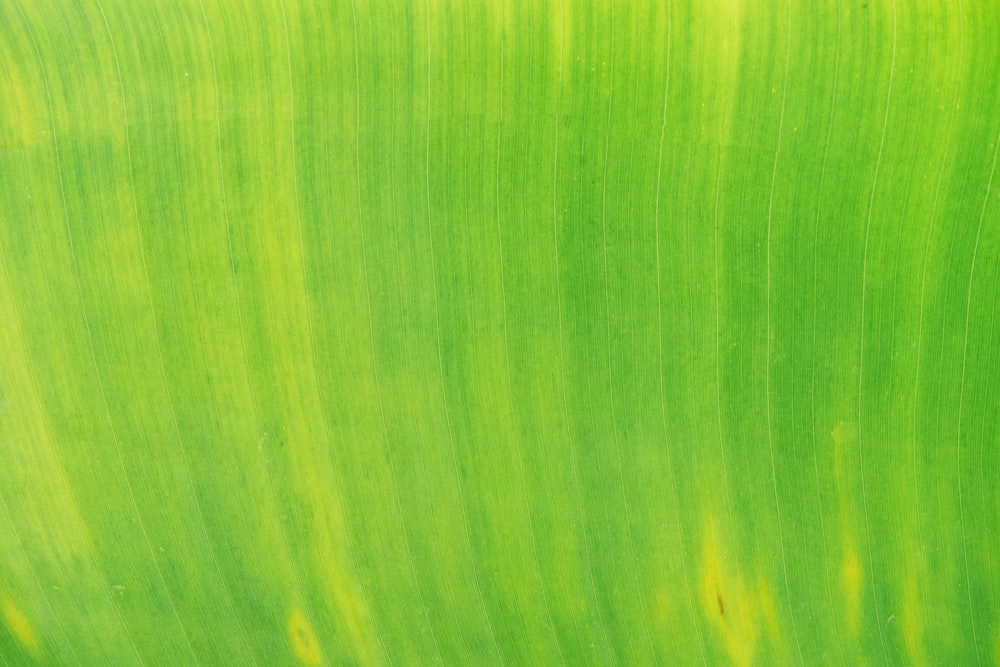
[
  {"x": 913, "y": 620},
  {"x": 769, "y": 611},
  {"x": 355, "y": 614},
  {"x": 850, "y": 579},
  {"x": 333, "y": 563},
  {"x": 724, "y": 599},
  {"x": 303, "y": 639},
  {"x": 662, "y": 609},
  {"x": 20, "y": 627},
  {"x": 850, "y": 569},
  {"x": 24, "y": 103}
]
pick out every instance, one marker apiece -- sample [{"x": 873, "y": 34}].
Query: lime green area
[{"x": 500, "y": 332}]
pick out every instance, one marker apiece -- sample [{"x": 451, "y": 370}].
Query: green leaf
[{"x": 503, "y": 332}]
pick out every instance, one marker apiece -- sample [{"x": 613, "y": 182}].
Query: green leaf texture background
[{"x": 499, "y": 332}]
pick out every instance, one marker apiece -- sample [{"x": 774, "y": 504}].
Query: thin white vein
[
  {"x": 961, "y": 402},
  {"x": 767, "y": 361},
  {"x": 402, "y": 299},
  {"x": 135, "y": 211},
  {"x": 286, "y": 548},
  {"x": 506, "y": 360},
  {"x": 393, "y": 209},
  {"x": 225, "y": 209},
  {"x": 923, "y": 277},
  {"x": 201, "y": 523},
  {"x": 440, "y": 355},
  {"x": 113, "y": 282},
  {"x": 309, "y": 317},
  {"x": 834, "y": 627},
  {"x": 562, "y": 355},
  {"x": 19, "y": 545},
  {"x": 689, "y": 596},
  {"x": 718, "y": 360},
  {"x": 371, "y": 328},
  {"x": 34, "y": 390},
  {"x": 35, "y": 397},
  {"x": 861, "y": 346},
  {"x": 90, "y": 340},
  {"x": 718, "y": 344},
  {"x": 392, "y": 200},
  {"x": 607, "y": 307},
  {"x": 286, "y": 543}
]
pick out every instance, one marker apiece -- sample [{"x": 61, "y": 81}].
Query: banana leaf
[{"x": 499, "y": 332}]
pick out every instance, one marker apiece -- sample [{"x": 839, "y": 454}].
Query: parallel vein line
[
  {"x": 674, "y": 495},
  {"x": 506, "y": 358},
  {"x": 861, "y": 345},
  {"x": 440, "y": 355},
  {"x": 812, "y": 376},
  {"x": 767, "y": 362},
  {"x": 244, "y": 354},
  {"x": 961, "y": 401},
  {"x": 79, "y": 289},
  {"x": 923, "y": 282},
  {"x": 309, "y": 320},
  {"x": 607, "y": 306}
]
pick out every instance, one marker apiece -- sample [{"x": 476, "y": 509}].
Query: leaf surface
[{"x": 505, "y": 332}]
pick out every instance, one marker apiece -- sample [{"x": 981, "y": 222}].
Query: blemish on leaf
[
  {"x": 303, "y": 639},
  {"x": 735, "y": 621},
  {"x": 20, "y": 627},
  {"x": 913, "y": 622},
  {"x": 663, "y": 608},
  {"x": 850, "y": 578},
  {"x": 769, "y": 610}
]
